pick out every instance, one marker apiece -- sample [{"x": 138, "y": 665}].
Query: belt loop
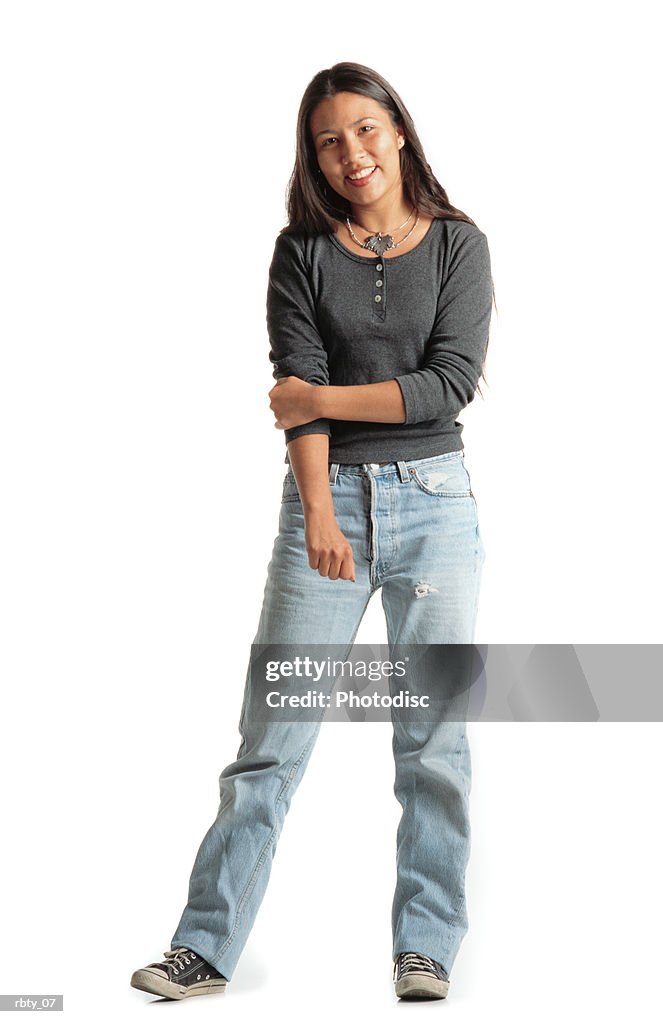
[
  {"x": 402, "y": 469},
  {"x": 333, "y": 472}
]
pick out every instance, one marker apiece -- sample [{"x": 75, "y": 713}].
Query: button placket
[{"x": 379, "y": 291}]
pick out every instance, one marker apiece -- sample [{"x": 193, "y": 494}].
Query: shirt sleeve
[
  {"x": 455, "y": 350},
  {"x": 296, "y": 347}
]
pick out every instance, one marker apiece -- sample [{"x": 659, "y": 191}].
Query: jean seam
[
  {"x": 295, "y": 768},
  {"x": 455, "y": 913},
  {"x": 451, "y": 923},
  {"x": 461, "y": 846},
  {"x": 250, "y": 885}
]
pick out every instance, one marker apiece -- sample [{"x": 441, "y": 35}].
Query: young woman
[{"x": 378, "y": 311}]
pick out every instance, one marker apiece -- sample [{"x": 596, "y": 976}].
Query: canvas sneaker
[
  {"x": 182, "y": 973},
  {"x": 418, "y": 977}
]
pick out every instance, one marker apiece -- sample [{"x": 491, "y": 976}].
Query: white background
[{"x": 146, "y": 152}]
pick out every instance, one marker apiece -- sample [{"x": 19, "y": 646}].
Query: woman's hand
[
  {"x": 328, "y": 549},
  {"x": 293, "y": 402}
]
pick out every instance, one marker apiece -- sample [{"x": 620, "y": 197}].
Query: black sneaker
[
  {"x": 183, "y": 973},
  {"x": 418, "y": 977}
]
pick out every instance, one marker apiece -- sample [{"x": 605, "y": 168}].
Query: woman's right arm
[
  {"x": 328, "y": 549},
  {"x": 297, "y": 349}
]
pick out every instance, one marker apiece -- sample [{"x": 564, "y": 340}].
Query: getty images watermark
[{"x": 472, "y": 682}]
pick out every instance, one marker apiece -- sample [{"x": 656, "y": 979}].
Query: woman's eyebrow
[{"x": 332, "y": 131}]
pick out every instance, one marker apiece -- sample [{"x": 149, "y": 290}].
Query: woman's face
[{"x": 353, "y": 133}]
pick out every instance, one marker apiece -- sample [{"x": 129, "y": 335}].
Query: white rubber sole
[
  {"x": 148, "y": 981},
  {"x": 421, "y": 987}
]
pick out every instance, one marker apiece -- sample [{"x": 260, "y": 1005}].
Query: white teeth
[{"x": 362, "y": 174}]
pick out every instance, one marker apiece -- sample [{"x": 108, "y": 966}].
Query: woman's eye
[{"x": 332, "y": 138}]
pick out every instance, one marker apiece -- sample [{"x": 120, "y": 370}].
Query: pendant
[{"x": 378, "y": 243}]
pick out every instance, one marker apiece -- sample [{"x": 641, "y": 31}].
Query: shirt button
[
  {"x": 378, "y": 283},
  {"x": 378, "y": 266},
  {"x": 378, "y": 298}
]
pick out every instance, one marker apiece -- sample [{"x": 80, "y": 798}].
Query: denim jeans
[{"x": 414, "y": 531}]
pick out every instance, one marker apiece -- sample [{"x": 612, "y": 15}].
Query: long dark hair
[{"x": 312, "y": 207}]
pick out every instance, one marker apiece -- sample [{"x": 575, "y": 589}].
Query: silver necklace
[{"x": 379, "y": 243}]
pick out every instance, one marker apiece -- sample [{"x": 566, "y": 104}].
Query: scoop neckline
[{"x": 371, "y": 259}]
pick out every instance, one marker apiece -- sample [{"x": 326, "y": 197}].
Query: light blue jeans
[{"x": 414, "y": 531}]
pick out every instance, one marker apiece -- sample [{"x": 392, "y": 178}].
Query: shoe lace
[
  {"x": 178, "y": 957},
  {"x": 413, "y": 961}
]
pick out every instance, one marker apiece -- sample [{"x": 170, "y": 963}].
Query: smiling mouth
[{"x": 362, "y": 178}]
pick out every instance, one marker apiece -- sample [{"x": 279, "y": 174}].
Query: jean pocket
[
  {"x": 290, "y": 489},
  {"x": 447, "y": 478}
]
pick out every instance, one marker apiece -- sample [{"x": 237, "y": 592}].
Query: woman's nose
[{"x": 352, "y": 150}]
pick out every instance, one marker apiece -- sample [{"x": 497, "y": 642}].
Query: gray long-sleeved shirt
[{"x": 420, "y": 318}]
